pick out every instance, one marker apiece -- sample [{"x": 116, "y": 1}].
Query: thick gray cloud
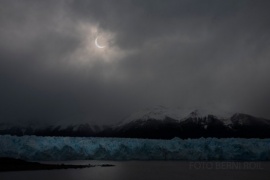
[{"x": 187, "y": 53}]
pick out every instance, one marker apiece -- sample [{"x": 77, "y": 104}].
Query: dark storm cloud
[{"x": 183, "y": 53}]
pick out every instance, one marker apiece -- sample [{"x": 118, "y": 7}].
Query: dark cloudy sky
[{"x": 176, "y": 53}]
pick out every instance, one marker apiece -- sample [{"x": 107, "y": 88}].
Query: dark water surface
[{"x": 140, "y": 170}]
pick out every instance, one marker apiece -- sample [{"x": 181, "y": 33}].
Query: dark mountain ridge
[{"x": 159, "y": 123}]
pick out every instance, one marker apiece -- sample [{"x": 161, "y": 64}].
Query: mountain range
[{"x": 158, "y": 123}]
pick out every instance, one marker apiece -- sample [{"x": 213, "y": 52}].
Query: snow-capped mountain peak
[
  {"x": 156, "y": 113},
  {"x": 180, "y": 114}
]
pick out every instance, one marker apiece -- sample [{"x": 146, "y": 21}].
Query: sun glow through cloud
[{"x": 87, "y": 54}]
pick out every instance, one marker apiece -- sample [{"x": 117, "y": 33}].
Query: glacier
[{"x": 36, "y": 148}]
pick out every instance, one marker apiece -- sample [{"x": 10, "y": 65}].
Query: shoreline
[{"x": 11, "y": 164}]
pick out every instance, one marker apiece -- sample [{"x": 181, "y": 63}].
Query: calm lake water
[{"x": 140, "y": 170}]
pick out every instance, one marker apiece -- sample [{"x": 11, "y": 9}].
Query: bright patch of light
[{"x": 87, "y": 54}]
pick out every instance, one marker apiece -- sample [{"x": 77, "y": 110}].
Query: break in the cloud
[{"x": 175, "y": 53}]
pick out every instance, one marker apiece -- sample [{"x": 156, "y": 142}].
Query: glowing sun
[{"x": 97, "y": 43}]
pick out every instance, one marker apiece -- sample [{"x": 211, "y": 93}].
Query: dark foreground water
[{"x": 148, "y": 170}]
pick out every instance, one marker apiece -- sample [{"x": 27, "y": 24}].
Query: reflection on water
[{"x": 140, "y": 170}]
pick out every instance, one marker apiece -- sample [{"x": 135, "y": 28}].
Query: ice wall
[{"x": 68, "y": 148}]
